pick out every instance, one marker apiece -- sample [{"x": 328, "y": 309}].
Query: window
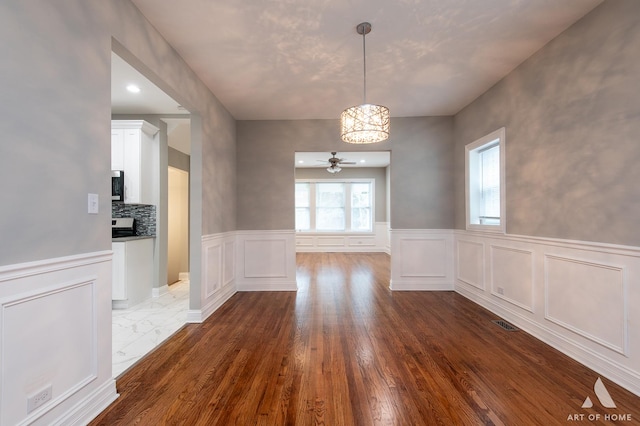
[
  {"x": 303, "y": 214},
  {"x": 361, "y": 206},
  {"x": 485, "y": 187},
  {"x": 330, "y": 207},
  {"x": 334, "y": 206}
]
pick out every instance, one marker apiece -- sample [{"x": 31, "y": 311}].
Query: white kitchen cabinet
[
  {"x": 133, "y": 149},
  {"x": 132, "y": 270},
  {"x": 117, "y": 149}
]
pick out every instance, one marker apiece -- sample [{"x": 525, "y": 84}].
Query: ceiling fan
[{"x": 334, "y": 163}]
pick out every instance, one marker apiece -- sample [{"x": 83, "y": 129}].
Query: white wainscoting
[
  {"x": 580, "y": 298},
  {"x": 266, "y": 261},
  {"x": 422, "y": 259},
  {"x": 55, "y": 330},
  {"x": 218, "y": 274},
  {"x": 375, "y": 242}
]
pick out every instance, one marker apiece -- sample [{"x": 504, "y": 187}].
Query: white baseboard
[
  {"x": 159, "y": 291},
  {"x": 90, "y": 407},
  {"x": 408, "y": 285},
  {"x": 269, "y": 285},
  {"x": 197, "y": 316}
]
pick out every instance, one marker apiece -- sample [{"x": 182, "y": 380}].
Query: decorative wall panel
[
  {"x": 421, "y": 260},
  {"x": 470, "y": 263},
  {"x": 55, "y": 332},
  {"x": 512, "y": 275},
  {"x": 587, "y": 298},
  {"x": 218, "y": 274},
  {"x": 375, "y": 242},
  {"x": 213, "y": 265},
  {"x": 266, "y": 261}
]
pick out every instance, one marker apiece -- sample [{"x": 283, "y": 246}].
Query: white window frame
[
  {"x": 472, "y": 201},
  {"x": 347, "y": 206}
]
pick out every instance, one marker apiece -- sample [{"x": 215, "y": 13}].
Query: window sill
[{"x": 492, "y": 229}]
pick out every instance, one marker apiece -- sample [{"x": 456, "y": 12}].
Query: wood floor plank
[{"x": 345, "y": 350}]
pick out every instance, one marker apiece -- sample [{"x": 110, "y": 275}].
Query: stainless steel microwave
[{"x": 117, "y": 185}]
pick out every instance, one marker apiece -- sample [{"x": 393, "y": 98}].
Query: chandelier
[{"x": 364, "y": 123}]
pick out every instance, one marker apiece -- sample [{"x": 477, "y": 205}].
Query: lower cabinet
[{"x": 132, "y": 272}]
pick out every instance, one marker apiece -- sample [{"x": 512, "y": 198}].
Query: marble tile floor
[{"x": 139, "y": 329}]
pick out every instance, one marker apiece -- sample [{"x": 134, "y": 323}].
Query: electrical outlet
[
  {"x": 500, "y": 290},
  {"x": 39, "y": 398}
]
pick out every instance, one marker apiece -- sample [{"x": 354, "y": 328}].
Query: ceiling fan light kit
[
  {"x": 334, "y": 163},
  {"x": 366, "y": 123}
]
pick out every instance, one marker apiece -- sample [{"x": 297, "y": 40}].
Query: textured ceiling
[{"x": 302, "y": 59}]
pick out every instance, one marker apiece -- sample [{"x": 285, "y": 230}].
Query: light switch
[{"x": 93, "y": 203}]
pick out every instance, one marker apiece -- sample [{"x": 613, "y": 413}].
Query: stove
[{"x": 123, "y": 227}]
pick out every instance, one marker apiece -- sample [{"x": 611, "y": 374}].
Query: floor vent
[{"x": 505, "y": 325}]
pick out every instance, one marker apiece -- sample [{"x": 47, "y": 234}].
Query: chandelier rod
[
  {"x": 364, "y": 29},
  {"x": 364, "y": 64}
]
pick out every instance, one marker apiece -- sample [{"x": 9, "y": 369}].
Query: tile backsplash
[{"x": 144, "y": 214}]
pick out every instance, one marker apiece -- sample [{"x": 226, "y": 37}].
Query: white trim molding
[
  {"x": 345, "y": 242},
  {"x": 266, "y": 260},
  {"x": 76, "y": 340},
  {"x": 573, "y": 295},
  {"x": 159, "y": 291},
  {"x": 422, "y": 259},
  {"x": 218, "y": 282}
]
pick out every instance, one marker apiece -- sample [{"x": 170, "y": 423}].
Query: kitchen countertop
[{"x": 125, "y": 239}]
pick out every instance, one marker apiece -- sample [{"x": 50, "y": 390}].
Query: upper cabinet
[{"x": 133, "y": 150}]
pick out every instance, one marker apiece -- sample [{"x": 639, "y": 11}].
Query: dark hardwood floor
[{"x": 345, "y": 350}]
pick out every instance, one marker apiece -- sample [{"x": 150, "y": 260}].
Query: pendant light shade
[{"x": 365, "y": 123}]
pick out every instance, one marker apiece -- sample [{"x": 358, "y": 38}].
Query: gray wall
[
  {"x": 56, "y": 120},
  {"x": 378, "y": 174},
  {"x": 572, "y": 118},
  {"x": 421, "y": 182}
]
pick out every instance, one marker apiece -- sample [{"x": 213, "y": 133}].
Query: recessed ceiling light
[
  {"x": 300, "y": 161},
  {"x": 362, "y": 161},
  {"x": 133, "y": 88}
]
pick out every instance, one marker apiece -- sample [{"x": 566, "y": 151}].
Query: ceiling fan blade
[{"x": 347, "y": 162}]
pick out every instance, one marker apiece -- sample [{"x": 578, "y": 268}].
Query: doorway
[
  {"x": 140, "y": 328},
  {"x": 178, "y": 225}
]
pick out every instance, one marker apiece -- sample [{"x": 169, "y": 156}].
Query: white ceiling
[
  {"x": 150, "y": 99},
  {"x": 362, "y": 159},
  {"x": 302, "y": 59}
]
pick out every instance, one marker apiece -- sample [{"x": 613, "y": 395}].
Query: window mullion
[
  {"x": 347, "y": 207},
  {"x": 312, "y": 206}
]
